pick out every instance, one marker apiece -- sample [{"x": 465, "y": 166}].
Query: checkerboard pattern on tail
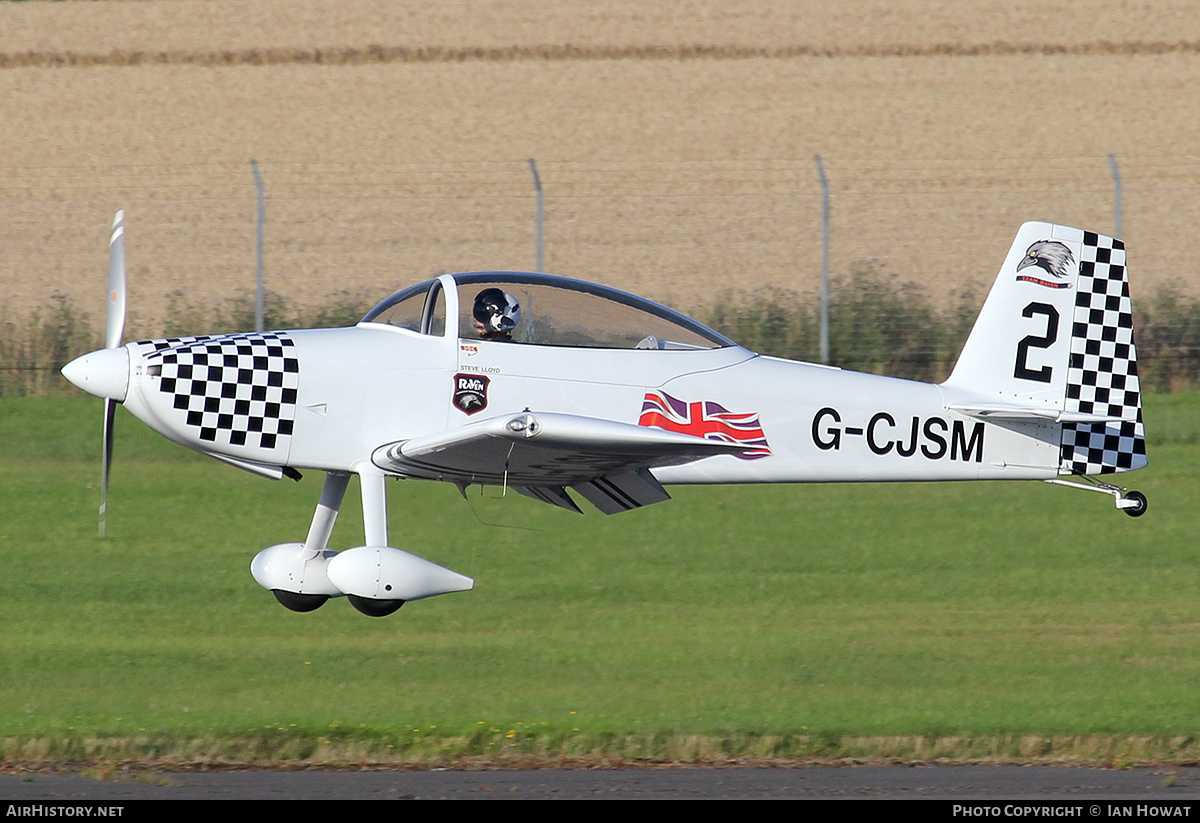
[
  {"x": 237, "y": 389},
  {"x": 1103, "y": 377}
]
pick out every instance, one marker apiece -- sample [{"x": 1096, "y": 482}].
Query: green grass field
[{"x": 963, "y": 621}]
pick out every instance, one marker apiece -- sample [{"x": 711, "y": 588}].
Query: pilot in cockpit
[{"x": 496, "y": 314}]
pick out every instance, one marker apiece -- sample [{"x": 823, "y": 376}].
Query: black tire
[
  {"x": 1141, "y": 504},
  {"x": 374, "y": 608},
  {"x": 300, "y": 602}
]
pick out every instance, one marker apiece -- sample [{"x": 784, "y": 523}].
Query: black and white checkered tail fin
[
  {"x": 1102, "y": 378},
  {"x": 1055, "y": 341}
]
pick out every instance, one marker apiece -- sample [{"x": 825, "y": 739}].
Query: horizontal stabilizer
[{"x": 1034, "y": 414}]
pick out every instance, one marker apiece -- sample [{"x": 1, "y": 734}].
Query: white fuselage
[{"x": 358, "y": 388}]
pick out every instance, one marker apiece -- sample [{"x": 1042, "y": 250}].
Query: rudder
[{"x": 1102, "y": 377}]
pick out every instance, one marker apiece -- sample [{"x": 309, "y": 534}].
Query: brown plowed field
[{"x": 675, "y": 141}]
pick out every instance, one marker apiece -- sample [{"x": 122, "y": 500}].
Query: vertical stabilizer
[{"x": 1055, "y": 340}]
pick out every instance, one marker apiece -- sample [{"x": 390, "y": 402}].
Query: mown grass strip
[
  {"x": 962, "y": 621},
  {"x": 503, "y": 751}
]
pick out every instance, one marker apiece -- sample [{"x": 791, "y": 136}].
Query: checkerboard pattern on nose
[
  {"x": 1102, "y": 377},
  {"x": 234, "y": 390}
]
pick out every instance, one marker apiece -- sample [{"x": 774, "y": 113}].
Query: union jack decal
[{"x": 705, "y": 419}]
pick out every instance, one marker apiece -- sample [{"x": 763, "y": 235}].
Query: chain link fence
[{"x": 913, "y": 247}]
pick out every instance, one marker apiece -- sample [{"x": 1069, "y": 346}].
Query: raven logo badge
[{"x": 470, "y": 392}]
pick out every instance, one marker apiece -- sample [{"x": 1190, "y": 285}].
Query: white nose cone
[{"x": 104, "y": 373}]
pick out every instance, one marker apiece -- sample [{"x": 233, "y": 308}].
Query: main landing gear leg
[
  {"x": 374, "y": 503},
  {"x": 318, "y": 540},
  {"x": 1133, "y": 503},
  {"x": 327, "y": 511}
]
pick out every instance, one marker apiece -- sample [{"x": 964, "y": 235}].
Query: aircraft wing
[{"x": 541, "y": 454}]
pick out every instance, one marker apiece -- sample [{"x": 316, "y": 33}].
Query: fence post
[
  {"x": 824, "y": 260},
  {"x": 1118, "y": 194},
  {"x": 541, "y": 212},
  {"x": 259, "y": 291}
]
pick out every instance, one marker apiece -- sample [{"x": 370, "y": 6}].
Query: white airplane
[{"x": 545, "y": 384}]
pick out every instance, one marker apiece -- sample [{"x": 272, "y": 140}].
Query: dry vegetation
[{"x": 675, "y": 142}]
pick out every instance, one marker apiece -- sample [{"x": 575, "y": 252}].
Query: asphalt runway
[{"x": 969, "y": 783}]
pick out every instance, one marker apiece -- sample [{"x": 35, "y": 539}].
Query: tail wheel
[
  {"x": 1140, "y": 504},
  {"x": 374, "y": 608}
]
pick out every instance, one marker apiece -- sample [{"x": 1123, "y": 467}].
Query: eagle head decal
[{"x": 1052, "y": 257}]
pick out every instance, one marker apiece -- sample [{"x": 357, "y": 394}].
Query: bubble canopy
[{"x": 555, "y": 311}]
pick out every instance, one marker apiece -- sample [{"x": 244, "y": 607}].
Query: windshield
[
  {"x": 418, "y": 308},
  {"x": 550, "y": 311}
]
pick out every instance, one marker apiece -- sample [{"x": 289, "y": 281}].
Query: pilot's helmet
[{"x": 497, "y": 311}]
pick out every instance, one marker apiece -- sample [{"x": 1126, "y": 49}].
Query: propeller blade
[
  {"x": 114, "y": 331},
  {"x": 114, "y": 327},
  {"x": 110, "y": 409}
]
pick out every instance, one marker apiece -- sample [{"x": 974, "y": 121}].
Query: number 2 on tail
[{"x": 1037, "y": 341}]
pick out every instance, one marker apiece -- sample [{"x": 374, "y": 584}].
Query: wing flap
[
  {"x": 622, "y": 492},
  {"x": 554, "y": 495}
]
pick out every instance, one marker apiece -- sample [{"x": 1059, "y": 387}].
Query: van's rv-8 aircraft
[{"x": 545, "y": 384}]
